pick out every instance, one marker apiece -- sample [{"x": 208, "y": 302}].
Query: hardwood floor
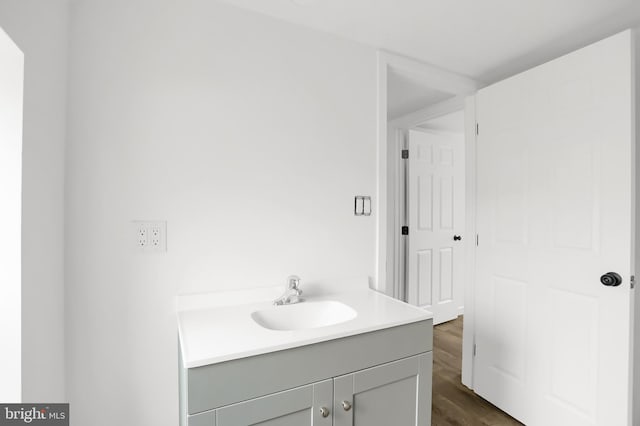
[{"x": 453, "y": 403}]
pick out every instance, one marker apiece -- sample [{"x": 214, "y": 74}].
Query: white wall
[
  {"x": 11, "y": 84},
  {"x": 39, "y": 28},
  {"x": 248, "y": 135}
]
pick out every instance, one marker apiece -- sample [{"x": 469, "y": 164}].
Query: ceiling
[
  {"x": 406, "y": 95},
  {"x": 486, "y": 40},
  {"x": 451, "y": 123}
]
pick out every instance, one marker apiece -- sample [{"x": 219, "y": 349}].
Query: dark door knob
[
  {"x": 457, "y": 237},
  {"x": 611, "y": 279}
]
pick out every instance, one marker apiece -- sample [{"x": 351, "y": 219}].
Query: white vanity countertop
[{"x": 220, "y": 333}]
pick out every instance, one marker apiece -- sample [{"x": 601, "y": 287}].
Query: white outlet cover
[{"x": 150, "y": 235}]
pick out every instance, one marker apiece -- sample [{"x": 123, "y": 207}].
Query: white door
[
  {"x": 555, "y": 169},
  {"x": 436, "y": 223}
]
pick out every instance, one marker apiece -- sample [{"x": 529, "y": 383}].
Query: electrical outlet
[
  {"x": 150, "y": 235},
  {"x": 155, "y": 236},
  {"x": 141, "y": 237}
]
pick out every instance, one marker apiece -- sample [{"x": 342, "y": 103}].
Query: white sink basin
[{"x": 304, "y": 315}]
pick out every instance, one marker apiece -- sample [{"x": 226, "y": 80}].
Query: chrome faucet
[{"x": 292, "y": 293}]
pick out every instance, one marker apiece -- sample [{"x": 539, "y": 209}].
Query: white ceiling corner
[
  {"x": 406, "y": 95},
  {"x": 450, "y": 123},
  {"x": 485, "y": 40}
]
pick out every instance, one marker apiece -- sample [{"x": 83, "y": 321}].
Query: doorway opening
[
  {"x": 432, "y": 183},
  {"x": 426, "y": 232},
  {"x": 419, "y": 98},
  {"x": 422, "y": 228},
  {"x": 11, "y": 92}
]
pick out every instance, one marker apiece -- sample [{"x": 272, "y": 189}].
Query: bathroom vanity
[{"x": 357, "y": 358}]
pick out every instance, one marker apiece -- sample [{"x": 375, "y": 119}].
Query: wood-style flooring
[{"x": 453, "y": 403}]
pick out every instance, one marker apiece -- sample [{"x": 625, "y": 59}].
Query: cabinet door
[
  {"x": 296, "y": 407},
  {"x": 398, "y": 394}
]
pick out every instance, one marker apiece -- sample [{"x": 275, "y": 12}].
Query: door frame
[
  {"x": 470, "y": 176},
  {"x": 459, "y": 87},
  {"x": 388, "y": 246}
]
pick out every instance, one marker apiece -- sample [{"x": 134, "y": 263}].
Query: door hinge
[
  {"x": 405, "y": 230},
  {"x": 474, "y": 349},
  {"x": 477, "y": 129},
  {"x": 633, "y": 281},
  {"x": 405, "y": 154}
]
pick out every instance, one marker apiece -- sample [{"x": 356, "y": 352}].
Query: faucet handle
[{"x": 293, "y": 281}]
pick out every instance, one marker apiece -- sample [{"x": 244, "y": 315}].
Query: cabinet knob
[
  {"x": 346, "y": 405},
  {"x": 324, "y": 411}
]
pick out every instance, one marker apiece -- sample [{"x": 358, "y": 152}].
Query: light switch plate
[
  {"x": 358, "y": 208},
  {"x": 367, "y": 206},
  {"x": 362, "y": 205}
]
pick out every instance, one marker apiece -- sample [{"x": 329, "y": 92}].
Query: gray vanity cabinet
[
  {"x": 378, "y": 378},
  {"x": 397, "y": 393},
  {"x": 296, "y": 407}
]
